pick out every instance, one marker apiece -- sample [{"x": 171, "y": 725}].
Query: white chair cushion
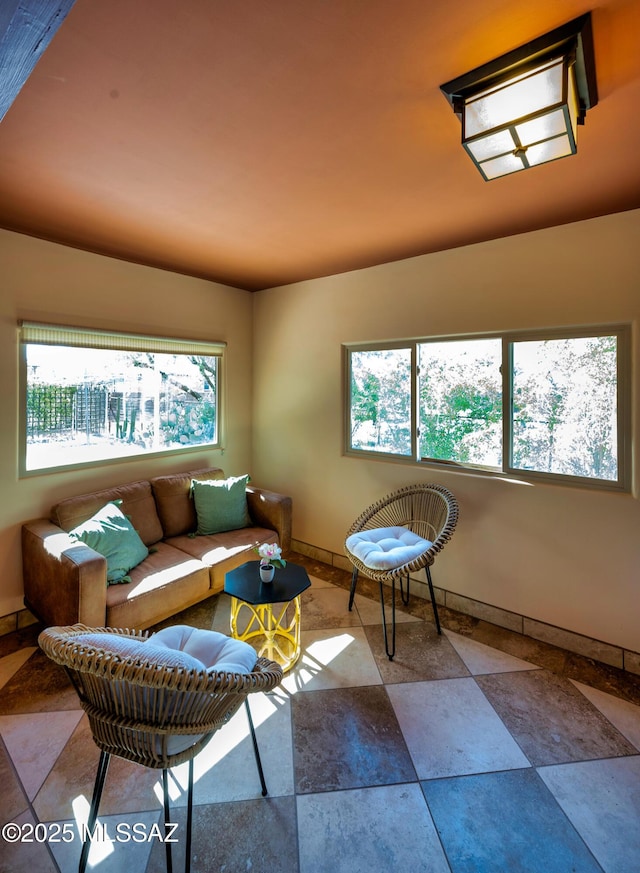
[
  {"x": 214, "y": 650},
  {"x": 140, "y": 650},
  {"x": 386, "y": 548}
]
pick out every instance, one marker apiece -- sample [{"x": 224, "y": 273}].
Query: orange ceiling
[{"x": 259, "y": 143}]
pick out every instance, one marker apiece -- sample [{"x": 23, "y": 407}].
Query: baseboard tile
[
  {"x": 16, "y": 621},
  {"x": 631, "y": 662},
  {"x": 573, "y": 642},
  {"x": 597, "y": 650},
  {"x": 8, "y": 623},
  {"x": 313, "y": 552}
]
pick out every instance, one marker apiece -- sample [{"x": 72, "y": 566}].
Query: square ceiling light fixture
[{"x": 523, "y": 109}]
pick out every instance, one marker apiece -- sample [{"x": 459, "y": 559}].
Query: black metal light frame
[{"x": 572, "y": 42}]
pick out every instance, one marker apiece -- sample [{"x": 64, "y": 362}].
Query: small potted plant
[{"x": 270, "y": 558}]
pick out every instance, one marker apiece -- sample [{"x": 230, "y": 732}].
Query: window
[
  {"x": 460, "y": 401},
  {"x": 93, "y": 396},
  {"x": 381, "y": 400},
  {"x": 552, "y": 405}
]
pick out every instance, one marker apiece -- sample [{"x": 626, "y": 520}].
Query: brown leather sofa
[{"x": 65, "y": 582}]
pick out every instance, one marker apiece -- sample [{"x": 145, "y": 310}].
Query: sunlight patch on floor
[{"x": 101, "y": 846}]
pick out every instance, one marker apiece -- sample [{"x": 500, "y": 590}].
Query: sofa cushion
[
  {"x": 166, "y": 582},
  {"x": 225, "y": 551},
  {"x": 174, "y": 500},
  {"x": 113, "y": 536},
  {"x": 137, "y": 503},
  {"x": 219, "y": 548},
  {"x": 221, "y": 504}
]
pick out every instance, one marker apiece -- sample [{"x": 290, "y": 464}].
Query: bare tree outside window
[{"x": 565, "y": 406}]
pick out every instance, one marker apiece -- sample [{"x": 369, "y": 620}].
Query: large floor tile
[
  {"x": 39, "y": 685},
  {"x": 326, "y": 607},
  {"x": 518, "y": 645},
  {"x": 421, "y": 653},
  {"x": 221, "y": 620},
  {"x": 226, "y": 769},
  {"x": 199, "y": 615},
  {"x": 347, "y": 738},
  {"x": 333, "y": 658},
  {"x": 120, "y": 842},
  {"x": 480, "y": 659},
  {"x": 451, "y": 729},
  {"x": 257, "y": 836},
  {"x": 505, "y": 823},
  {"x": 550, "y": 719},
  {"x": 13, "y": 641},
  {"x": 10, "y": 664},
  {"x": 602, "y": 800},
  {"x": 370, "y": 612},
  {"x": 27, "y": 856},
  {"x": 623, "y": 715},
  {"x": 35, "y": 741},
  {"x": 368, "y": 830},
  {"x": 13, "y": 799},
  {"x": 69, "y": 785},
  {"x": 621, "y": 683},
  {"x": 317, "y": 582}
]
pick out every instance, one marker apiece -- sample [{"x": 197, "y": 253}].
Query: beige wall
[
  {"x": 566, "y": 556},
  {"x": 47, "y": 282}
]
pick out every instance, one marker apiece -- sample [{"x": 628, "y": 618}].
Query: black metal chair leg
[
  {"x": 391, "y": 654},
  {"x": 101, "y": 775},
  {"x": 352, "y": 592},
  {"x": 256, "y": 751},
  {"x": 405, "y": 601},
  {"x": 167, "y": 817},
  {"x": 433, "y": 600},
  {"x": 187, "y": 860}
]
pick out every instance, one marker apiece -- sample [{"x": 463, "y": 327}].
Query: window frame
[
  {"x": 622, "y": 332},
  {"x": 37, "y": 333}
]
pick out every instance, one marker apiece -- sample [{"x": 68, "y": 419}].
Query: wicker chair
[
  {"x": 397, "y": 536},
  {"x": 156, "y": 711}
]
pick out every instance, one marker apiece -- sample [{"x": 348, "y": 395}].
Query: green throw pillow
[
  {"x": 111, "y": 534},
  {"x": 221, "y": 504}
]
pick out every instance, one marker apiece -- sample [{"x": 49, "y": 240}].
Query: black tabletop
[{"x": 244, "y": 583}]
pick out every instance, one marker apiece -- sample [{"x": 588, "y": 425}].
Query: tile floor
[{"x": 479, "y": 751}]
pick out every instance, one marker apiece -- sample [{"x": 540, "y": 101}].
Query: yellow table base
[{"x": 280, "y": 641}]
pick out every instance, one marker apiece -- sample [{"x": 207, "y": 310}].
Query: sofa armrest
[
  {"x": 64, "y": 582},
  {"x": 273, "y": 511}
]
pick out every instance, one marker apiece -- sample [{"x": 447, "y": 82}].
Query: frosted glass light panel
[
  {"x": 565, "y": 408},
  {"x": 460, "y": 401},
  {"x": 528, "y": 120},
  {"x": 380, "y": 401}
]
